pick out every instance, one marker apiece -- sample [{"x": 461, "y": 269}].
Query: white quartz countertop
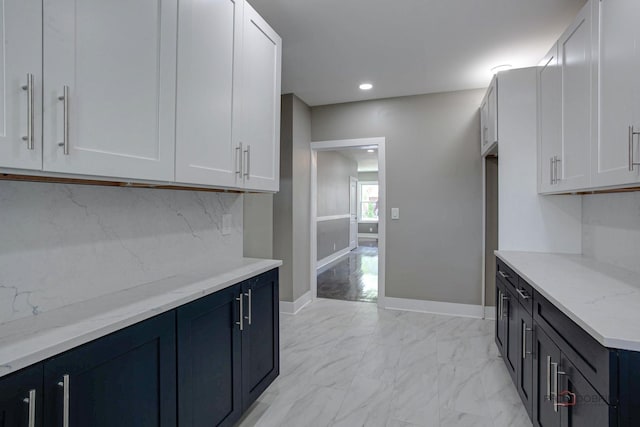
[
  {"x": 603, "y": 299},
  {"x": 26, "y": 341}
]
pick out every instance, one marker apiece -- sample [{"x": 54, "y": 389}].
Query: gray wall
[
  {"x": 291, "y": 205},
  {"x": 334, "y": 172},
  {"x": 611, "y": 229},
  {"x": 434, "y": 177}
]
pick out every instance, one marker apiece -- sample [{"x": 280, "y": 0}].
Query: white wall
[
  {"x": 61, "y": 244},
  {"x": 611, "y": 229}
]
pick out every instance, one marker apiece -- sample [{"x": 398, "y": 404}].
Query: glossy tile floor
[
  {"x": 351, "y": 364},
  {"x": 354, "y": 277}
]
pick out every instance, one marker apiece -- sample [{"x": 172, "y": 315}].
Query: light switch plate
[
  {"x": 395, "y": 213},
  {"x": 227, "y": 220}
]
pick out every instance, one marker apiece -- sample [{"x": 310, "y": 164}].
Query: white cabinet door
[
  {"x": 492, "y": 111},
  {"x": 118, "y": 60},
  {"x": 20, "y": 61},
  {"x": 260, "y": 121},
  {"x": 484, "y": 125},
  {"x": 549, "y": 119},
  {"x": 619, "y": 71},
  {"x": 210, "y": 33},
  {"x": 574, "y": 55}
]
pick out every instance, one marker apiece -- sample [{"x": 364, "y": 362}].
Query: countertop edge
[{"x": 56, "y": 341}]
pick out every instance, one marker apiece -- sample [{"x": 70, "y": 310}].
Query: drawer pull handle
[
  {"x": 523, "y": 294},
  {"x": 31, "y": 400},
  {"x": 503, "y": 275},
  {"x": 65, "y": 399}
]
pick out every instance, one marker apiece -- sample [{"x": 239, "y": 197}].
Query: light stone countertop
[
  {"x": 603, "y": 299},
  {"x": 26, "y": 341}
]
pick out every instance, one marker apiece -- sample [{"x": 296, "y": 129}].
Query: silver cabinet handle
[
  {"x": 239, "y": 159},
  {"x": 551, "y": 171},
  {"x": 241, "y": 322},
  {"x": 31, "y": 400},
  {"x": 524, "y": 340},
  {"x": 247, "y": 153},
  {"x": 29, "y": 88},
  {"x": 632, "y": 133},
  {"x": 499, "y": 304},
  {"x": 503, "y": 275},
  {"x": 504, "y": 298},
  {"x": 65, "y": 399},
  {"x": 549, "y": 377},
  {"x": 556, "y": 375},
  {"x": 65, "y": 117},
  {"x": 522, "y": 293},
  {"x": 556, "y": 160},
  {"x": 248, "y": 295}
]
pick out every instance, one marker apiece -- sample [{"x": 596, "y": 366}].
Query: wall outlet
[
  {"x": 395, "y": 213},
  {"x": 227, "y": 221}
]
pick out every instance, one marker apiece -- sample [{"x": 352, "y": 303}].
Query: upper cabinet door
[
  {"x": 492, "y": 111},
  {"x": 110, "y": 79},
  {"x": 209, "y": 41},
  {"x": 21, "y": 84},
  {"x": 484, "y": 126},
  {"x": 549, "y": 119},
  {"x": 259, "y": 130},
  {"x": 619, "y": 65},
  {"x": 574, "y": 54}
]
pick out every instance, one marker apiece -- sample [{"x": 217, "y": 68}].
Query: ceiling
[
  {"x": 407, "y": 47},
  {"x": 367, "y": 162}
]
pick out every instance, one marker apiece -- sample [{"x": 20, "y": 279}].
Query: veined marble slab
[
  {"x": 603, "y": 299},
  {"x": 29, "y": 340}
]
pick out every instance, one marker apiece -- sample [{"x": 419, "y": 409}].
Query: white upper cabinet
[
  {"x": 259, "y": 130},
  {"x": 209, "y": 47},
  {"x": 110, "y": 84},
  {"x": 489, "y": 117},
  {"x": 21, "y": 84},
  {"x": 619, "y": 87},
  {"x": 575, "y": 57},
  {"x": 549, "y": 119}
]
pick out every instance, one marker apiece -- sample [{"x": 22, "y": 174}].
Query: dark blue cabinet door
[
  {"x": 209, "y": 361},
  {"x": 17, "y": 392},
  {"x": 546, "y": 354},
  {"x": 126, "y": 379},
  {"x": 260, "y": 338}
]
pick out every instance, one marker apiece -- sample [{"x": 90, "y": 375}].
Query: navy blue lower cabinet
[
  {"x": 545, "y": 365},
  {"x": 260, "y": 337},
  {"x": 125, "y": 379},
  {"x": 209, "y": 360},
  {"x": 21, "y": 398}
]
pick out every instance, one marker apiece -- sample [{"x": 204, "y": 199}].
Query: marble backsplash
[
  {"x": 61, "y": 244},
  {"x": 611, "y": 229}
]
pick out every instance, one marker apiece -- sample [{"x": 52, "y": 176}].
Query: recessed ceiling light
[
  {"x": 370, "y": 150},
  {"x": 503, "y": 67},
  {"x": 365, "y": 86}
]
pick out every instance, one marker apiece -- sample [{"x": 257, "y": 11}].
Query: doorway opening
[{"x": 347, "y": 219}]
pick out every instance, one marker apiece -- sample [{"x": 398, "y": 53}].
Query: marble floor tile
[{"x": 350, "y": 364}]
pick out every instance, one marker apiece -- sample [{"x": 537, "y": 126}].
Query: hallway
[{"x": 354, "y": 277}]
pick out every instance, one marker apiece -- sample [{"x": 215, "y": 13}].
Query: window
[{"x": 368, "y": 201}]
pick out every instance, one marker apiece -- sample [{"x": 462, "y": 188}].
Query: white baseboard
[
  {"x": 368, "y": 235},
  {"x": 333, "y": 257},
  {"x": 287, "y": 307},
  {"x": 490, "y": 313},
  {"x": 434, "y": 307}
]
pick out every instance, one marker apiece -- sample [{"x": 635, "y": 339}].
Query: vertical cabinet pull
[
  {"x": 556, "y": 380},
  {"x": 502, "y": 312},
  {"x": 632, "y": 164},
  {"x": 524, "y": 340},
  {"x": 65, "y": 400},
  {"x": 65, "y": 118},
  {"x": 556, "y": 160},
  {"x": 239, "y": 159},
  {"x": 247, "y": 163},
  {"x": 499, "y": 304},
  {"x": 241, "y": 317},
  {"x": 29, "y": 88},
  {"x": 548, "y": 377},
  {"x": 31, "y": 400},
  {"x": 551, "y": 171},
  {"x": 248, "y": 295}
]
